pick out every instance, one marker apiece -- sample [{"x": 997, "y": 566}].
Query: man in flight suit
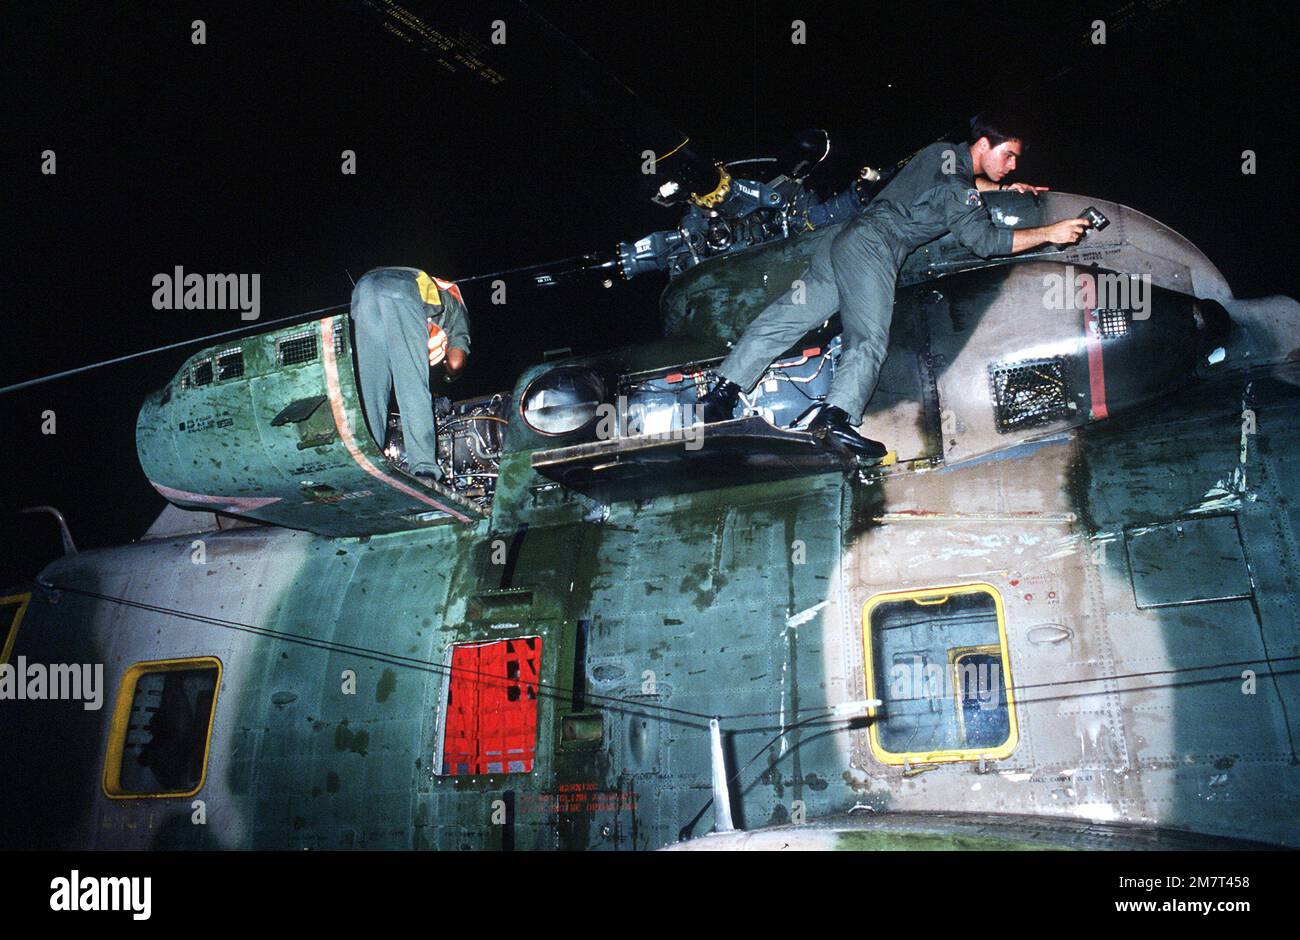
[
  {"x": 406, "y": 322},
  {"x": 938, "y": 191}
]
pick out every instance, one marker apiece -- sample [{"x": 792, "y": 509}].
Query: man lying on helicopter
[{"x": 938, "y": 191}]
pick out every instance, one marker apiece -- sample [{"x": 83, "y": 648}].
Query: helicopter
[{"x": 1059, "y": 613}]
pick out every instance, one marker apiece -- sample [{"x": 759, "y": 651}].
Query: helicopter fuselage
[{"x": 1065, "y": 607}]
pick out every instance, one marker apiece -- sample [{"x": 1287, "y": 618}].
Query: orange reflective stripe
[{"x": 450, "y": 287}]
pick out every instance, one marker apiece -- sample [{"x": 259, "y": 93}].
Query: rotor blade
[{"x": 445, "y": 37}]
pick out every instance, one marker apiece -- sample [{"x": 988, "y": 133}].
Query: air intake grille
[
  {"x": 296, "y": 349},
  {"x": 1113, "y": 323},
  {"x": 1027, "y": 394},
  {"x": 230, "y": 365}
]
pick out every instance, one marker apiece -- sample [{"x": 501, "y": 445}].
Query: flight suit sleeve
[
  {"x": 968, "y": 219},
  {"x": 455, "y": 321}
]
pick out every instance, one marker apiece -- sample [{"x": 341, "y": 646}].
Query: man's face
[{"x": 1001, "y": 160}]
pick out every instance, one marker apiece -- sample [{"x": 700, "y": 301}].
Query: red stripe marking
[
  {"x": 345, "y": 429},
  {"x": 236, "y": 504},
  {"x": 1092, "y": 337}
]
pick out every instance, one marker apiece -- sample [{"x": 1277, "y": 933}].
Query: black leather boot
[
  {"x": 832, "y": 424},
  {"x": 720, "y": 401}
]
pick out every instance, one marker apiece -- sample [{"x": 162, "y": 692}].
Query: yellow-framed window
[
  {"x": 12, "y": 608},
  {"x": 937, "y": 658},
  {"x": 161, "y": 731}
]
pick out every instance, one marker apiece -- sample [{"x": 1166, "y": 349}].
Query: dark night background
[{"x": 225, "y": 158}]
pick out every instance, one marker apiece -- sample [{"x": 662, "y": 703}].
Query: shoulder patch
[{"x": 973, "y": 198}]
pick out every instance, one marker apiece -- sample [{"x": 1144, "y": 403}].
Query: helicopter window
[
  {"x": 12, "y": 609},
  {"x": 490, "y": 709},
  {"x": 937, "y": 659},
  {"x": 161, "y": 729}
]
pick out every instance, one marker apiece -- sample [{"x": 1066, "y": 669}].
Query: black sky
[{"x": 225, "y": 158}]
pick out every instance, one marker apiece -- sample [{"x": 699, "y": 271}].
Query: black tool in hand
[{"x": 1095, "y": 219}]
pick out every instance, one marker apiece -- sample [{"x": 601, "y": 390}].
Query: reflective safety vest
[{"x": 430, "y": 286}]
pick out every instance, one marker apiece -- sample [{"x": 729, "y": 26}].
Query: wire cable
[
  {"x": 157, "y": 349},
  {"x": 821, "y": 710},
  {"x": 393, "y": 659}
]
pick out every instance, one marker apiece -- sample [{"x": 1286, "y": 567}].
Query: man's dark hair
[{"x": 995, "y": 127}]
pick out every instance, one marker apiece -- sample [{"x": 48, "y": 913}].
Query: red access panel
[{"x": 490, "y": 724}]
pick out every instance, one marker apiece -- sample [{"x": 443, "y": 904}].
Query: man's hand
[
  {"x": 1067, "y": 231},
  {"x": 1026, "y": 188},
  {"x": 1064, "y": 232},
  {"x": 437, "y": 344},
  {"x": 455, "y": 363}
]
